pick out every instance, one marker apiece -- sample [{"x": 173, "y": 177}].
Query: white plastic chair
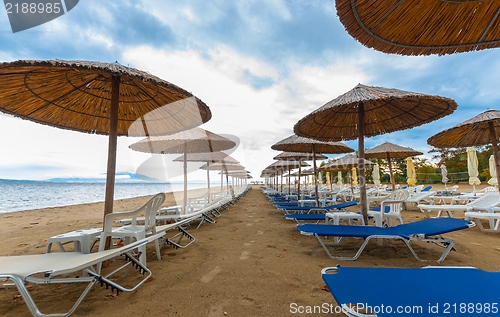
[
  {"x": 395, "y": 203},
  {"x": 135, "y": 230}
]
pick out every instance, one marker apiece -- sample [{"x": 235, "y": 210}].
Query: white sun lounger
[
  {"x": 492, "y": 215},
  {"x": 54, "y": 268},
  {"x": 485, "y": 202}
]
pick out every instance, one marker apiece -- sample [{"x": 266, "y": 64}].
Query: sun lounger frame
[
  {"x": 78, "y": 262},
  {"x": 437, "y": 239}
]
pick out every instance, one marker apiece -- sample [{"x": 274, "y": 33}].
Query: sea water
[{"x": 27, "y": 195}]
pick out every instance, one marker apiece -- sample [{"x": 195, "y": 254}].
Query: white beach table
[
  {"x": 82, "y": 239},
  {"x": 338, "y": 216}
]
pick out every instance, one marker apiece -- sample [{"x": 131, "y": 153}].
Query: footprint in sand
[
  {"x": 259, "y": 233},
  {"x": 244, "y": 255},
  {"x": 249, "y": 224},
  {"x": 210, "y": 275}
]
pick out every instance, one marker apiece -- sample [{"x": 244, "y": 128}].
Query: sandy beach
[{"x": 252, "y": 262}]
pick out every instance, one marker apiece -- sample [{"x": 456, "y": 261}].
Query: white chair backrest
[
  {"x": 489, "y": 199},
  {"x": 151, "y": 209}
]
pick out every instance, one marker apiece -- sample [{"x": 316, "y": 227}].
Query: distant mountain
[{"x": 132, "y": 178}]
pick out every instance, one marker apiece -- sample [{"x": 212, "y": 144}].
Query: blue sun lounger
[
  {"x": 427, "y": 230},
  {"x": 319, "y": 216},
  {"x": 427, "y": 291},
  {"x": 308, "y": 210}
]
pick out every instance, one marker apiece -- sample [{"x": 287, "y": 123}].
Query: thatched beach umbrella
[
  {"x": 295, "y": 143},
  {"x": 479, "y": 130},
  {"x": 282, "y": 166},
  {"x": 98, "y": 98},
  {"x": 299, "y": 156},
  {"x": 422, "y": 27},
  {"x": 223, "y": 166},
  {"x": 389, "y": 150},
  {"x": 368, "y": 111},
  {"x": 208, "y": 158},
  {"x": 191, "y": 141},
  {"x": 348, "y": 162}
]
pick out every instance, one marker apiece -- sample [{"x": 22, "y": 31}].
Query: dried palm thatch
[
  {"x": 347, "y": 162},
  {"x": 422, "y": 27},
  {"x": 298, "y": 156},
  {"x": 389, "y": 150},
  {"x": 285, "y": 165},
  {"x": 191, "y": 141},
  {"x": 385, "y": 110},
  {"x": 369, "y": 111},
  {"x": 482, "y": 129},
  {"x": 196, "y": 140},
  {"x": 212, "y": 157},
  {"x": 473, "y": 132},
  {"x": 223, "y": 167},
  {"x": 296, "y": 143},
  {"x": 98, "y": 98},
  {"x": 76, "y": 95}
]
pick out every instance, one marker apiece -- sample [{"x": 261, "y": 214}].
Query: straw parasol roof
[
  {"x": 223, "y": 167},
  {"x": 475, "y": 131},
  {"x": 196, "y": 140},
  {"x": 385, "y": 110},
  {"x": 285, "y": 165},
  {"x": 479, "y": 130},
  {"x": 368, "y": 111},
  {"x": 211, "y": 157},
  {"x": 295, "y": 143},
  {"x": 343, "y": 163},
  {"x": 208, "y": 157},
  {"x": 298, "y": 156},
  {"x": 389, "y": 150},
  {"x": 76, "y": 95},
  {"x": 100, "y": 98},
  {"x": 422, "y": 27}
]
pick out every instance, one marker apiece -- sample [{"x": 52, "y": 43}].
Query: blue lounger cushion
[
  {"x": 327, "y": 208},
  {"x": 427, "y": 291},
  {"x": 429, "y": 230},
  {"x": 427, "y": 227}
]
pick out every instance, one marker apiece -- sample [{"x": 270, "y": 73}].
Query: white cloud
[{"x": 260, "y": 117}]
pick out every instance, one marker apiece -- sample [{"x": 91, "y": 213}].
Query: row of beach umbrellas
[
  {"x": 114, "y": 100},
  {"x": 403, "y": 28}
]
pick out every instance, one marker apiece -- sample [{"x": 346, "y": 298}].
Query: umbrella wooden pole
[
  {"x": 494, "y": 144},
  {"x": 289, "y": 184},
  {"x": 298, "y": 183},
  {"x": 390, "y": 172},
  {"x": 184, "y": 201},
  {"x": 208, "y": 179},
  {"x": 315, "y": 174},
  {"x": 361, "y": 159},
  {"x": 113, "y": 139}
]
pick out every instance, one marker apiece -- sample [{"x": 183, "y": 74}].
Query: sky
[{"x": 260, "y": 65}]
